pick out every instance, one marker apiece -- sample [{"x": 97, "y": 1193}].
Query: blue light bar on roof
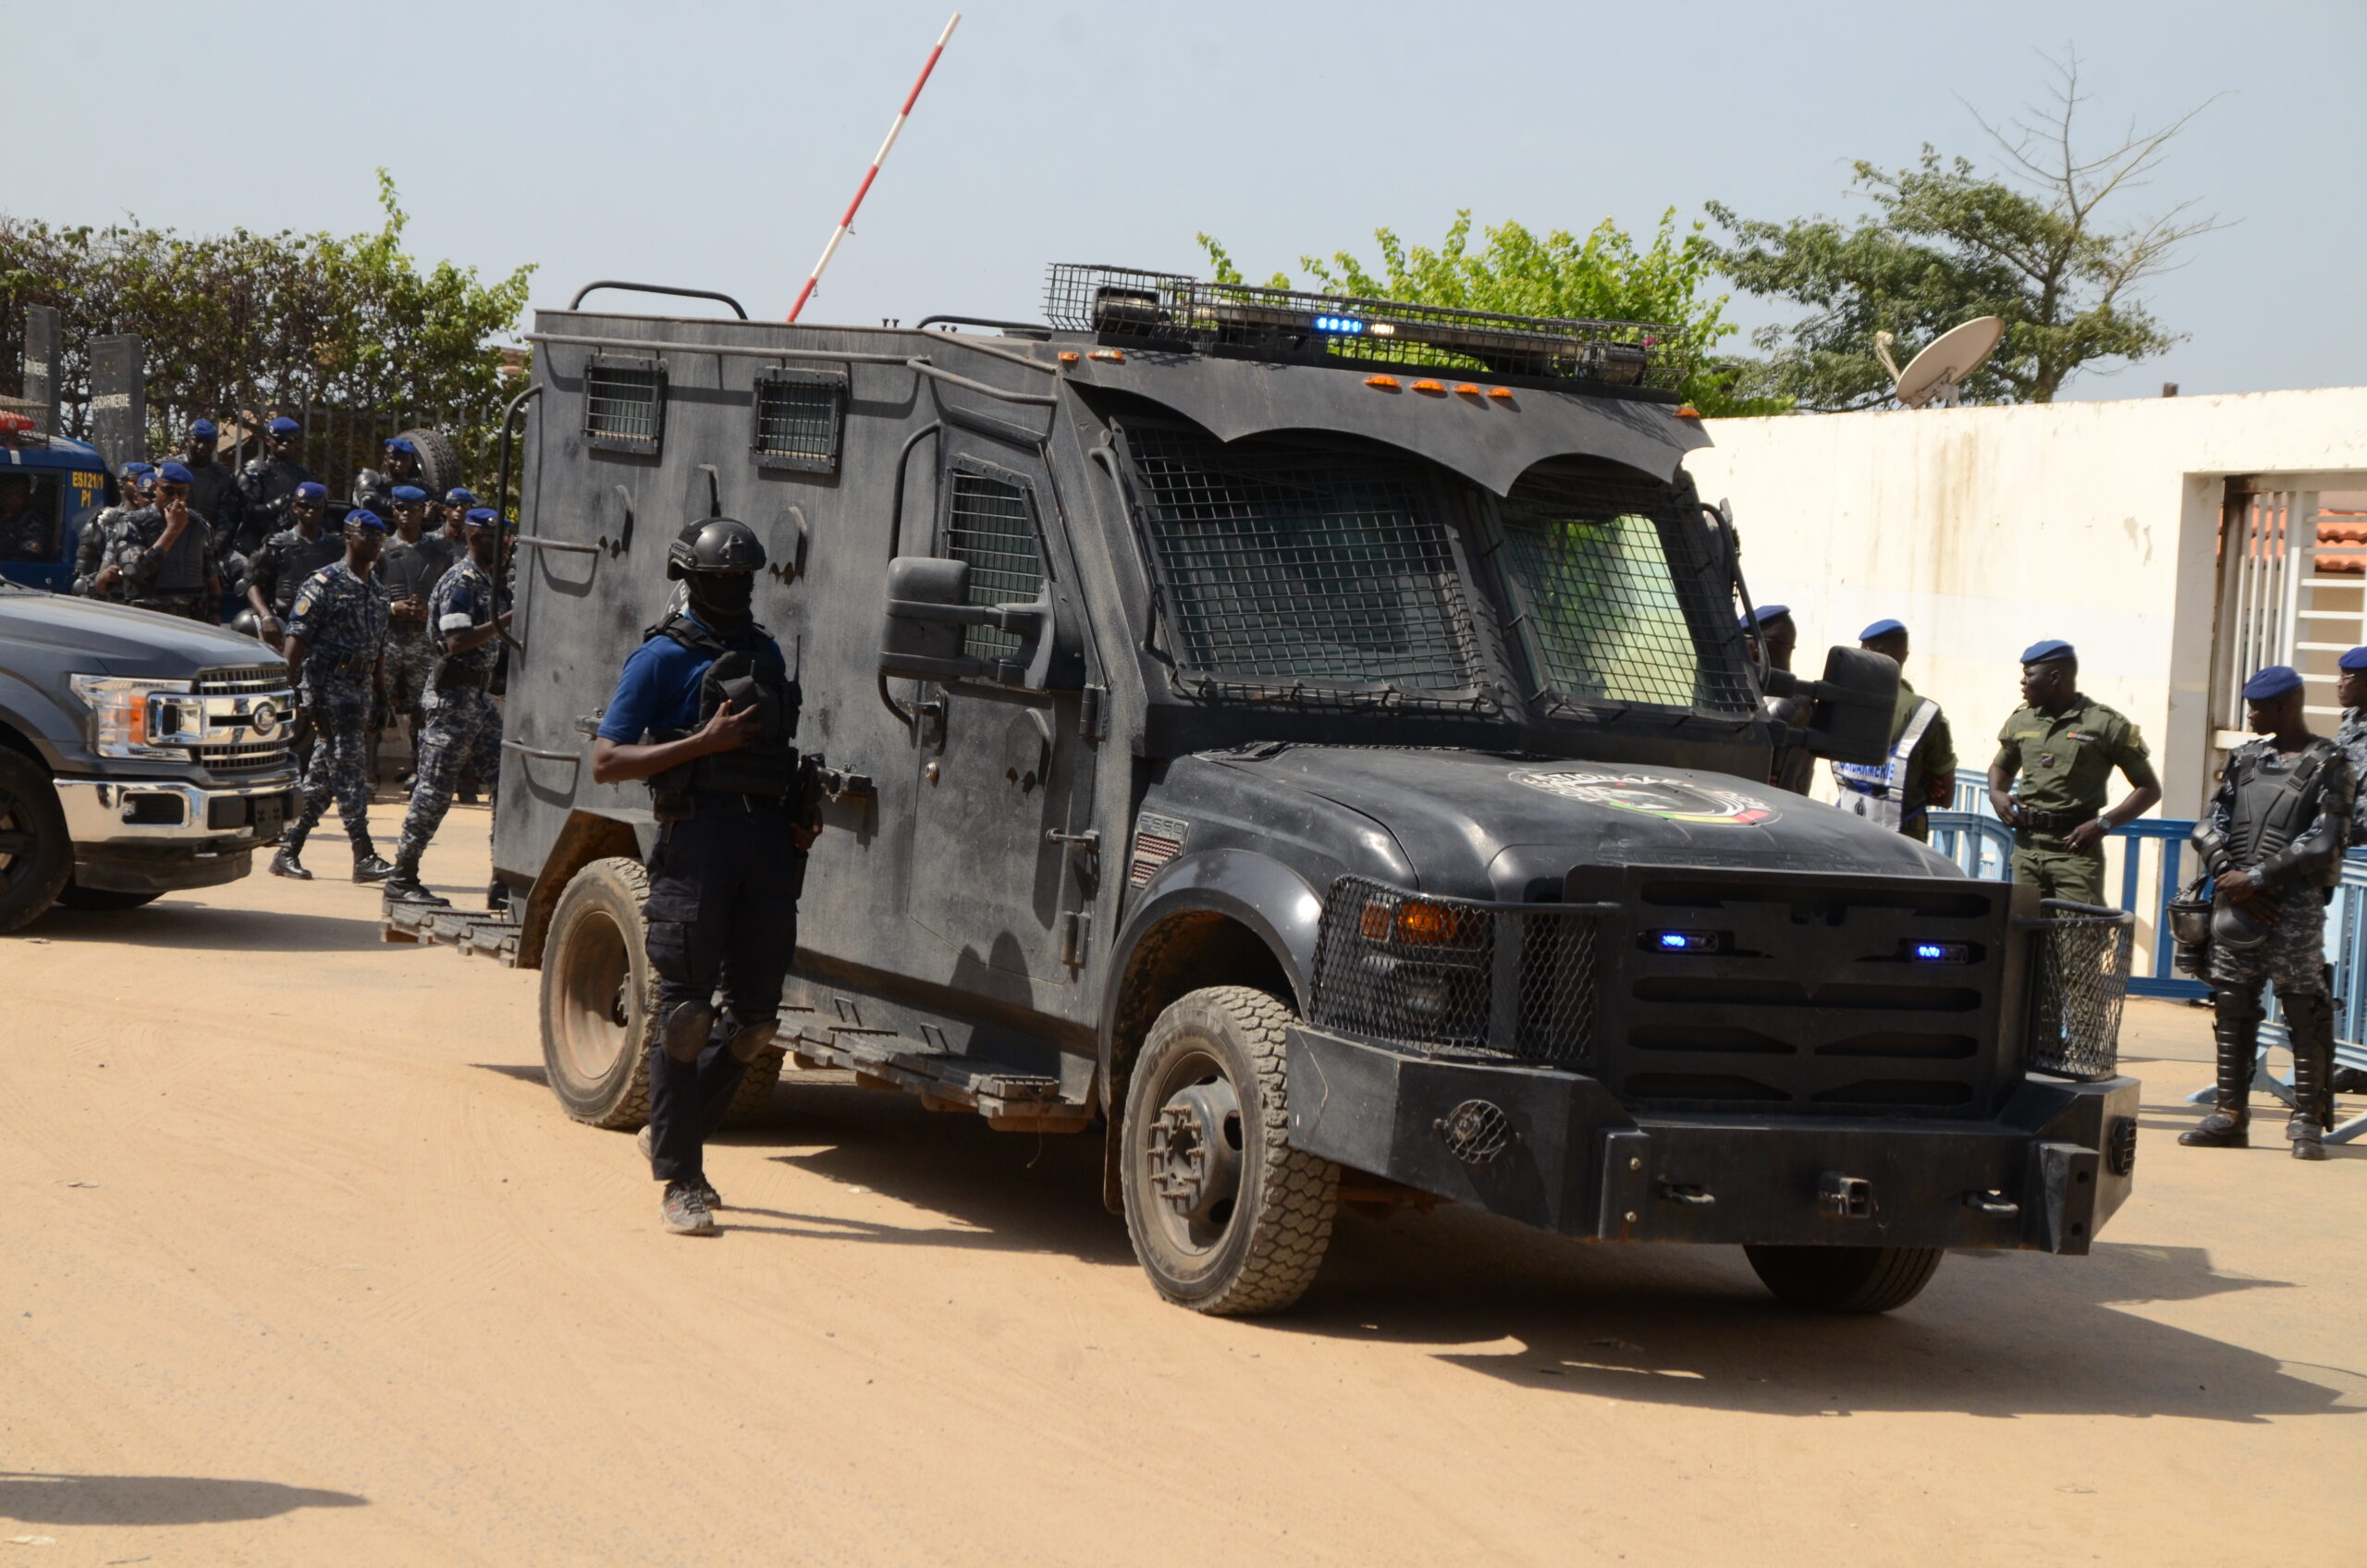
[{"x": 1345, "y": 325}]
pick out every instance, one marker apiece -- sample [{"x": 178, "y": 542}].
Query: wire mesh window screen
[
  {"x": 624, "y": 407},
  {"x": 1612, "y": 618},
  {"x": 990, "y": 527},
  {"x": 798, "y": 420},
  {"x": 1285, "y": 563}
]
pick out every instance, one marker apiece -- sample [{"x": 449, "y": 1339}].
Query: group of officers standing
[
  {"x": 2271, "y": 842},
  {"x": 394, "y": 612}
]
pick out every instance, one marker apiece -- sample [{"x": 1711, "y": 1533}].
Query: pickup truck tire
[
  {"x": 1845, "y": 1278},
  {"x": 439, "y": 461},
  {"x": 1226, "y": 1217},
  {"x": 35, "y": 855},
  {"x": 101, "y": 900},
  {"x": 600, "y": 995}
]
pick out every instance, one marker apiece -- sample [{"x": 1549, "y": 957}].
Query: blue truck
[{"x": 51, "y": 489}]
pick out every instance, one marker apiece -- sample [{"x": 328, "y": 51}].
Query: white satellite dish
[{"x": 1933, "y": 375}]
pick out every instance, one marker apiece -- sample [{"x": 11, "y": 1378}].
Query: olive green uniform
[
  {"x": 1934, "y": 757},
  {"x": 2064, "y": 762}
]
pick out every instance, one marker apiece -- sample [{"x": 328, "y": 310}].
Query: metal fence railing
[{"x": 2153, "y": 869}]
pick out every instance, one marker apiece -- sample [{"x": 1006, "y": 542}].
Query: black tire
[
  {"x": 600, "y": 995},
  {"x": 754, "y": 1095},
  {"x": 100, "y": 900},
  {"x": 1244, "y": 1228},
  {"x": 36, "y": 857},
  {"x": 439, "y": 461},
  {"x": 1845, "y": 1278}
]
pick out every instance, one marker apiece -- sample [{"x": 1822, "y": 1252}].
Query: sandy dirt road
[{"x": 300, "y": 1264}]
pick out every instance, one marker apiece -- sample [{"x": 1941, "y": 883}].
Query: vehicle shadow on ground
[
  {"x": 172, "y": 923},
  {"x": 38, "y": 1499},
  {"x": 1996, "y": 1334}
]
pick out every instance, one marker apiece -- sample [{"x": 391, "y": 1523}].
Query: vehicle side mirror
[
  {"x": 927, "y": 608},
  {"x": 1849, "y": 718}
]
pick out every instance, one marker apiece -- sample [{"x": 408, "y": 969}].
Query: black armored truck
[{"x": 1309, "y": 741}]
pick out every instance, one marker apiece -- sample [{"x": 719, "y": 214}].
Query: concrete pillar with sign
[{"x": 118, "y": 399}]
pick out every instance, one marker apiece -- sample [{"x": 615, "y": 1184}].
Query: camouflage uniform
[
  {"x": 95, "y": 548},
  {"x": 2352, "y": 736},
  {"x": 342, "y": 620},
  {"x": 175, "y": 582},
  {"x": 408, "y": 569},
  {"x": 463, "y": 739},
  {"x": 286, "y": 561},
  {"x": 2065, "y": 762}
]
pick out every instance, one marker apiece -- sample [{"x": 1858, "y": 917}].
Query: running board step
[
  {"x": 1011, "y": 1101},
  {"x": 471, "y": 931}
]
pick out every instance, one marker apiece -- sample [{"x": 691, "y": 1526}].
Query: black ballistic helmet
[
  {"x": 716, "y": 545},
  {"x": 248, "y": 623}
]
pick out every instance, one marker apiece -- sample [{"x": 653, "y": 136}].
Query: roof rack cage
[{"x": 1123, "y": 303}]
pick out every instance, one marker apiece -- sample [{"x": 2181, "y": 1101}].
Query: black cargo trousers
[{"x": 722, "y": 913}]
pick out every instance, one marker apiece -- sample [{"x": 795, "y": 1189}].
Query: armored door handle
[
  {"x": 1689, "y": 1195},
  {"x": 1090, "y": 837}
]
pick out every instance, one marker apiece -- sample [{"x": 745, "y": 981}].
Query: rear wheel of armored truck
[
  {"x": 35, "y": 856},
  {"x": 1226, "y": 1217},
  {"x": 1845, "y": 1278},
  {"x": 600, "y": 995}
]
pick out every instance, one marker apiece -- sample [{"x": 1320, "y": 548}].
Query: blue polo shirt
[{"x": 657, "y": 692}]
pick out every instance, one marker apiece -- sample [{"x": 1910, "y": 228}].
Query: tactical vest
[
  {"x": 182, "y": 574},
  {"x": 2277, "y": 798},
  {"x": 766, "y": 767},
  {"x": 1878, "y": 790}
]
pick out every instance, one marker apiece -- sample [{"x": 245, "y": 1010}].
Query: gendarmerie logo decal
[{"x": 1649, "y": 794}]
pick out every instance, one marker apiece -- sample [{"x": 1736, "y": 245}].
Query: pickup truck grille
[
  {"x": 227, "y": 700},
  {"x": 241, "y": 759},
  {"x": 244, "y": 680}
]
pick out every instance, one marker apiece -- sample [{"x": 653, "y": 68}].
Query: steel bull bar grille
[{"x": 1676, "y": 1053}]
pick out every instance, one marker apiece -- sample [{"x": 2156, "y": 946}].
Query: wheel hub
[{"x": 1196, "y": 1149}]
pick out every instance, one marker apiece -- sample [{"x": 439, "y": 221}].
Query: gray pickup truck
[{"x": 139, "y": 754}]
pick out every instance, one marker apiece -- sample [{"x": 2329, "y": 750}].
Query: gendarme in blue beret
[
  {"x": 283, "y": 426},
  {"x": 460, "y": 497},
  {"x": 1881, "y": 629},
  {"x": 312, "y": 490},
  {"x": 204, "y": 429},
  {"x": 2355, "y": 659},
  {"x": 2049, "y": 651},
  {"x": 2274, "y": 682},
  {"x": 481, "y": 517},
  {"x": 366, "y": 517},
  {"x": 401, "y": 444},
  {"x": 408, "y": 494},
  {"x": 174, "y": 473},
  {"x": 1761, "y": 614}
]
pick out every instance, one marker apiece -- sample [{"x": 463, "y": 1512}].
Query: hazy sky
[{"x": 715, "y": 143}]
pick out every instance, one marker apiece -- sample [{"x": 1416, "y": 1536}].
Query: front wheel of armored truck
[
  {"x": 1860, "y": 1280},
  {"x": 1226, "y": 1217},
  {"x": 600, "y": 995}
]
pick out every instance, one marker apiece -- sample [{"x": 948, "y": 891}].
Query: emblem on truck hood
[{"x": 1649, "y": 794}]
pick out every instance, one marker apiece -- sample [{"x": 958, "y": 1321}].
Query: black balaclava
[{"x": 723, "y": 600}]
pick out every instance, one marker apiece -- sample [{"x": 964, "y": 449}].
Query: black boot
[
  {"x": 404, "y": 886},
  {"x": 285, "y": 864},
  {"x": 367, "y": 867},
  {"x": 2309, "y": 1024},
  {"x": 2236, "y": 1028}
]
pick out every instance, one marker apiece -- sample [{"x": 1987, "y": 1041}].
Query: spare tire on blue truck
[{"x": 1307, "y": 742}]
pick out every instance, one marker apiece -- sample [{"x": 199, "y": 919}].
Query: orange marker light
[
  {"x": 1434, "y": 388},
  {"x": 1466, "y": 389},
  {"x": 1688, "y": 411},
  {"x": 1069, "y": 356},
  {"x": 1504, "y": 392},
  {"x": 1386, "y": 383},
  {"x": 1113, "y": 356}
]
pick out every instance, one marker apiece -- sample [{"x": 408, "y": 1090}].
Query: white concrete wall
[{"x": 1988, "y": 529}]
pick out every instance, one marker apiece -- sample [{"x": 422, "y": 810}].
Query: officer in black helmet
[{"x": 707, "y": 712}]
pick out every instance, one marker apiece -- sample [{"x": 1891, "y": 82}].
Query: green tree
[
  {"x": 241, "y": 325},
  {"x": 1605, "y": 277},
  {"x": 1948, "y": 244}
]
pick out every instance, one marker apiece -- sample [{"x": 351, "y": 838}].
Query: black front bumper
[{"x": 1556, "y": 1150}]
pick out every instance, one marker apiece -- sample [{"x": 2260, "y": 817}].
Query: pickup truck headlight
[{"x": 136, "y": 718}]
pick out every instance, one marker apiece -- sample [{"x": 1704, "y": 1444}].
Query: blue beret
[
  {"x": 366, "y": 517},
  {"x": 312, "y": 490},
  {"x": 481, "y": 517},
  {"x": 174, "y": 473},
  {"x": 400, "y": 444},
  {"x": 2355, "y": 659},
  {"x": 2047, "y": 652},
  {"x": 204, "y": 429},
  {"x": 410, "y": 494},
  {"x": 1881, "y": 629},
  {"x": 283, "y": 426},
  {"x": 1760, "y": 615},
  {"x": 133, "y": 470},
  {"x": 460, "y": 497},
  {"x": 2274, "y": 682}
]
